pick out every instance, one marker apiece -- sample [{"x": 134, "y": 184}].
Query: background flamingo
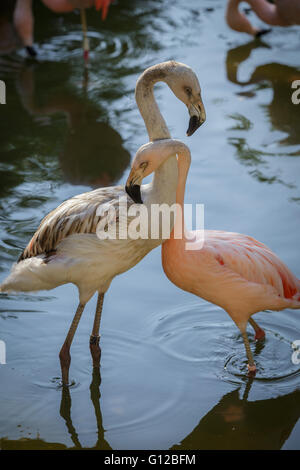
[
  {"x": 231, "y": 270},
  {"x": 283, "y": 13},
  {"x": 24, "y": 20}
]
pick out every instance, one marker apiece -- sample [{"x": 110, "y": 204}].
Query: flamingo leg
[
  {"x": 64, "y": 355},
  {"x": 251, "y": 363},
  {"x": 86, "y": 45},
  {"x": 259, "y": 332},
  {"x": 95, "y": 337}
]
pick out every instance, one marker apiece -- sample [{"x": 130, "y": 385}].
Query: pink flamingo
[
  {"x": 231, "y": 270},
  {"x": 283, "y": 13},
  {"x": 24, "y": 20}
]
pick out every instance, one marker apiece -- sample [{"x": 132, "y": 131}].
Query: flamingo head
[
  {"x": 148, "y": 158},
  {"x": 185, "y": 86}
]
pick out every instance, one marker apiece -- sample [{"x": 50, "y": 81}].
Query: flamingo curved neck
[
  {"x": 165, "y": 177},
  {"x": 179, "y": 226},
  {"x": 154, "y": 122},
  {"x": 266, "y": 11}
]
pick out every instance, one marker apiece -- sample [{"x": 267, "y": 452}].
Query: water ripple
[{"x": 202, "y": 334}]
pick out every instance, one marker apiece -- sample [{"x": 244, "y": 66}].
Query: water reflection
[
  {"x": 92, "y": 151},
  {"x": 233, "y": 423},
  {"x": 9, "y": 40},
  {"x": 283, "y": 115},
  {"x": 51, "y": 132},
  {"x": 236, "y": 423},
  {"x": 65, "y": 412}
]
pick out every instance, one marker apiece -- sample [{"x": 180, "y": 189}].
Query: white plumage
[{"x": 66, "y": 248}]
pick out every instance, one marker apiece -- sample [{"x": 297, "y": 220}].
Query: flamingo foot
[{"x": 259, "y": 334}]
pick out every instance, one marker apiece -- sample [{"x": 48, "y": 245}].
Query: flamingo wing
[
  {"x": 253, "y": 261},
  {"x": 76, "y": 215}
]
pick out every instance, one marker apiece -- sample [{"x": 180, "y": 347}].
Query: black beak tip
[
  {"x": 134, "y": 191},
  {"x": 31, "y": 51},
  {"x": 194, "y": 124},
  {"x": 262, "y": 32}
]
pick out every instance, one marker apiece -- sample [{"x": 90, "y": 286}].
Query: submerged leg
[
  {"x": 251, "y": 363},
  {"x": 259, "y": 332},
  {"x": 64, "y": 355},
  {"x": 95, "y": 337}
]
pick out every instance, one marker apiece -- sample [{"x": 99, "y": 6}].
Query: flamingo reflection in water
[
  {"x": 279, "y": 77},
  {"x": 234, "y": 422},
  {"x": 240, "y": 424},
  {"x": 282, "y": 13},
  {"x": 24, "y": 19},
  {"x": 89, "y": 131}
]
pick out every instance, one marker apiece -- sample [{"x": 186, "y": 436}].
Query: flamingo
[
  {"x": 283, "y": 13},
  {"x": 24, "y": 20},
  {"x": 228, "y": 269},
  {"x": 66, "y": 249}
]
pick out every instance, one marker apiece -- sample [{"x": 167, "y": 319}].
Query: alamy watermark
[
  {"x": 296, "y": 353},
  {"x": 296, "y": 93},
  {"x": 2, "y": 92},
  {"x": 2, "y": 352},
  {"x": 153, "y": 222}
]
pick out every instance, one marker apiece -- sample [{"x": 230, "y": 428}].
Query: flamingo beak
[
  {"x": 262, "y": 32},
  {"x": 104, "y": 5},
  {"x": 197, "y": 117},
  {"x": 133, "y": 186},
  {"x": 31, "y": 51}
]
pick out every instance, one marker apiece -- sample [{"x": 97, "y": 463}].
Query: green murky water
[{"x": 172, "y": 370}]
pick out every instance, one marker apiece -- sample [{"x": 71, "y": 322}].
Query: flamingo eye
[
  {"x": 144, "y": 165},
  {"x": 188, "y": 91}
]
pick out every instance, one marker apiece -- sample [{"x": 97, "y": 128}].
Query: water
[{"x": 173, "y": 367}]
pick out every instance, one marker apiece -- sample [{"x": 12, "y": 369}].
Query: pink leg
[
  {"x": 251, "y": 363},
  {"x": 86, "y": 46},
  {"x": 259, "y": 332}
]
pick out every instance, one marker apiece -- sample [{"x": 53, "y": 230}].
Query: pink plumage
[
  {"x": 229, "y": 267},
  {"x": 234, "y": 271}
]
